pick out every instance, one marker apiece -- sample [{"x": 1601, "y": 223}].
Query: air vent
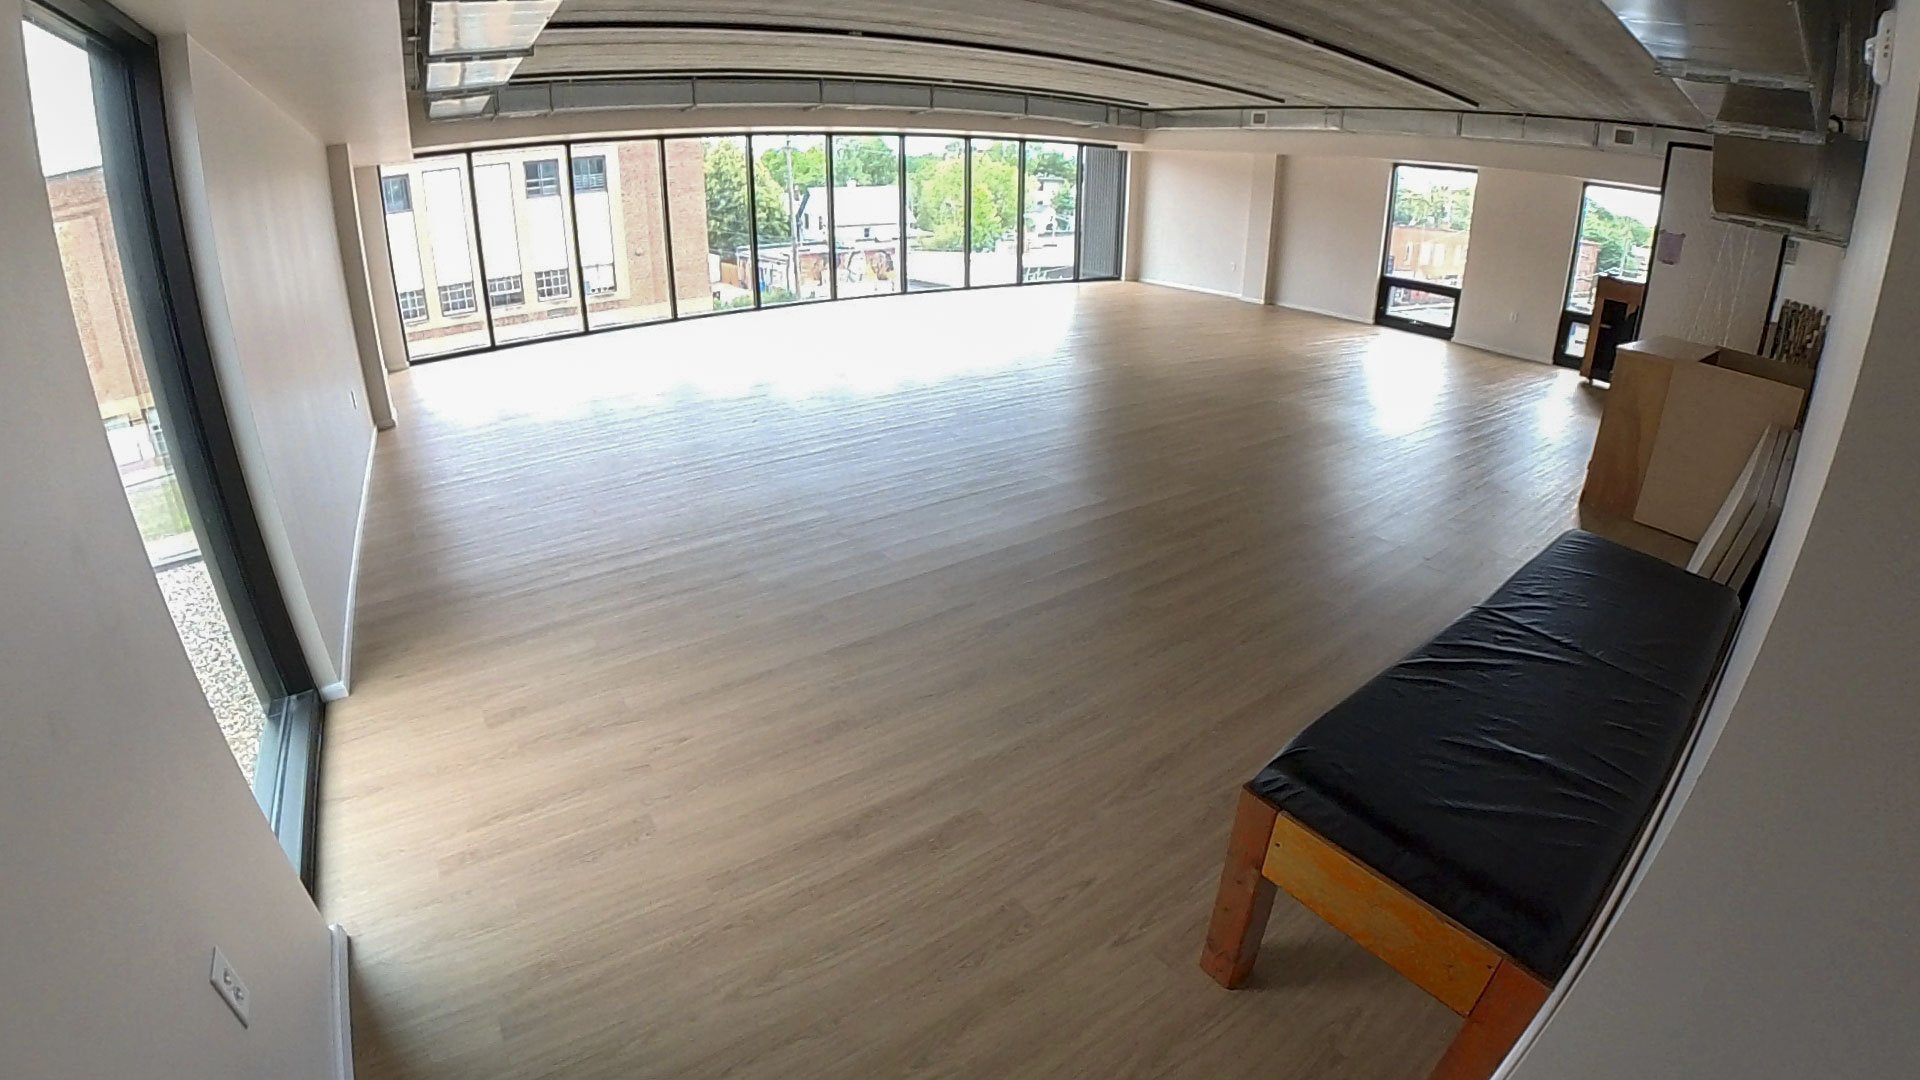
[{"x": 1624, "y": 136}]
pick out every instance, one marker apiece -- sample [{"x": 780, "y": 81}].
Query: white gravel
[{"x": 216, "y": 658}]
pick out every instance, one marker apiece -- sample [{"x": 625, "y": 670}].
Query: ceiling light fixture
[
  {"x": 467, "y": 27},
  {"x": 458, "y": 108}
]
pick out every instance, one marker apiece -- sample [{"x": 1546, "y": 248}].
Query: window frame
[
  {"x": 596, "y": 178},
  {"x": 1388, "y": 282},
  {"x": 187, "y": 394},
  {"x": 544, "y": 291},
  {"x": 1569, "y": 315},
  {"x": 464, "y": 161},
  {"x": 404, "y": 186},
  {"x": 541, "y": 184}
]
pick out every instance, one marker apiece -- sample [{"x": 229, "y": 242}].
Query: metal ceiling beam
[{"x": 858, "y": 36}]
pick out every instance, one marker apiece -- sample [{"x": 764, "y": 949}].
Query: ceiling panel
[
  {"x": 575, "y": 53},
  {"x": 1550, "y": 57}
]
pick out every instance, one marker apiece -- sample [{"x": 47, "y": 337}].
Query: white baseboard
[
  {"x": 342, "y": 1010},
  {"x": 1199, "y": 289},
  {"x": 1458, "y": 340},
  {"x": 334, "y": 691},
  {"x": 1345, "y": 316}
]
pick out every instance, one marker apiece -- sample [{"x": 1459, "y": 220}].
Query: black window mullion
[
  {"x": 900, "y": 161},
  {"x": 1020, "y": 214},
  {"x": 480, "y": 247},
  {"x": 966, "y": 213},
  {"x": 573, "y": 226},
  {"x": 833, "y": 232},
  {"x": 753, "y": 224},
  {"x": 666, "y": 233}
]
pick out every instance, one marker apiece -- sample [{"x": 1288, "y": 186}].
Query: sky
[{"x": 60, "y": 83}]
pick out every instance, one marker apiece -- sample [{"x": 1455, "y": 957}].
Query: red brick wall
[{"x": 90, "y": 255}]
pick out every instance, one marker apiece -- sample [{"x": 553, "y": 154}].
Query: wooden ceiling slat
[{"x": 1550, "y": 57}]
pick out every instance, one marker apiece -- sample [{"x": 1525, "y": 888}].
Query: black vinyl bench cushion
[{"x": 1502, "y": 772}]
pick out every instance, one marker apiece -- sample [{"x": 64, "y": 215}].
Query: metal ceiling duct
[{"x": 1786, "y": 94}]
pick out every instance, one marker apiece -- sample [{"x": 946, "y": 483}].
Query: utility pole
[{"x": 793, "y": 227}]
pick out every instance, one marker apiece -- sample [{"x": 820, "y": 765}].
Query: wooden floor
[{"x": 861, "y": 690}]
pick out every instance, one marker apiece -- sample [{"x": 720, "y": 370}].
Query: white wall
[
  {"x": 1771, "y": 933},
  {"x": 379, "y": 263},
  {"x": 261, "y": 224},
  {"x": 1719, "y": 290},
  {"x": 129, "y": 843},
  {"x": 1333, "y": 219},
  {"x": 1519, "y": 257},
  {"x": 1621, "y": 167},
  {"x": 1812, "y": 276},
  {"x": 353, "y": 263},
  {"x": 1205, "y": 221}
]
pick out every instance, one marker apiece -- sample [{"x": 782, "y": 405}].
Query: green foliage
[
  {"x": 726, "y": 175},
  {"x": 1063, "y": 206},
  {"x": 1448, "y": 208},
  {"x": 770, "y": 202},
  {"x": 1620, "y": 237},
  {"x": 935, "y": 193},
  {"x": 1045, "y": 161},
  {"x": 866, "y": 160}
]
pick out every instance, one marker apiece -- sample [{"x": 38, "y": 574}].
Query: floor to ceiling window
[
  {"x": 619, "y": 205},
  {"x": 936, "y": 212},
  {"x": 493, "y": 247},
  {"x": 713, "y": 216},
  {"x": 1429, "y": 219},
  {"x": 993, "y": 213},
  {"x": 866, "y": 215},
  {"x": 436, "y": 265},
  {"x": 1615, "y": 240},
  {"x": 789, "y": 171},
  {"x": 523, "y": 200},
  {"x": 1048, "y": 221},
  {"x": 95, "y": 93}
]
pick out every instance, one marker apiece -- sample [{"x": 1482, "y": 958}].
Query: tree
[
  {"x": 996, "y": 200},
  {"x": 1620, "y": 239},
  {"x": 866, "y": 160},
  {"x": 726, "y": 177},
  {"x": 1448, "y": 208},
  {"x": 770, "y": 203}
]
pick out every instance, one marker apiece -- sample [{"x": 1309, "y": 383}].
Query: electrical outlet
[{"x": 226, "y": 982}]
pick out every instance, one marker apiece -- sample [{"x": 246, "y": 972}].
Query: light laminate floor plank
[{"x": 861, "y": 690}]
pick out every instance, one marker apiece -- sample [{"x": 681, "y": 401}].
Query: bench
[{"x": 1464, "y": 814}]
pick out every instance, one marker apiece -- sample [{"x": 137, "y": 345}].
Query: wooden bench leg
[
  {"x": 1246, "y": 896},
  {"x": 1508, "y": 1004}
]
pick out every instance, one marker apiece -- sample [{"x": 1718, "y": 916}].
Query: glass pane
[
  {"x": 618, "y": 199},
  {"x": 866, "y": 214},
  {"x": 1047, "y": 232},
  {"x": 526, "y": 242},
  {"x": 1420, "y": 306},
  {"x": 435, "y": 269},
  {"x": 936, "y": 208},
  {"x": 789, "y": 183},
  {"x": 995, "y": 207},
  {"x": 707, "y": 204},
  {"x": 1103, "y": 193},
  {"x": 1432, "y": 213},
  {"x": 1616, "y": 240},
  {"x": 109, "y": 317}
]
